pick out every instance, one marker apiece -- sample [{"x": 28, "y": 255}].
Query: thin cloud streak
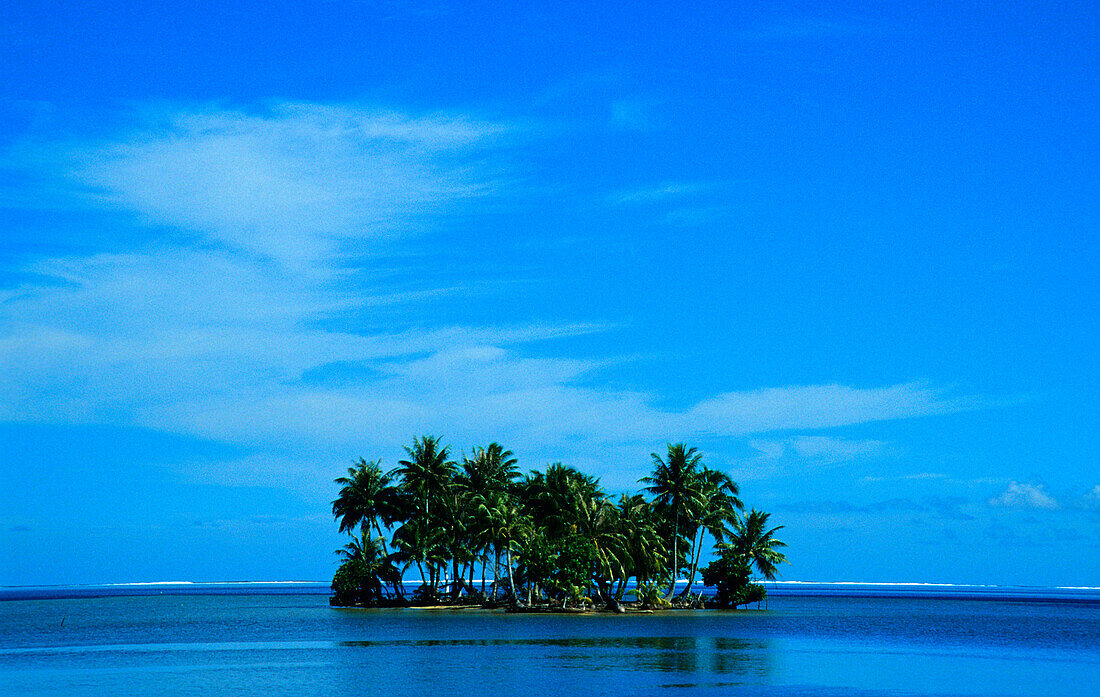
[
  {"x": 818, "y": 448},
  {"x": 821, "y": 406}
]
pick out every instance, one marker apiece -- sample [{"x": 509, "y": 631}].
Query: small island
[{"x": 547, "y": 541}]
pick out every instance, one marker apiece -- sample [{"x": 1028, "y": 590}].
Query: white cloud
[
  {"x": 919, "y": 476},
  {"x": 658, "y": 193},
  {"x": 227, "y": 332},
  {"x": 632, "y": 115},
  {"x": 214, "y": 344},
  {"x": 1024, "y": 496},
  {"x": 818, "y": 448},
  {"x": 292, "y": 182},
  {"x": 819, "y": 406},
  {"x": 1092, "y": 499}
]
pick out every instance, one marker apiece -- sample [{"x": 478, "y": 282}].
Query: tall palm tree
[
  {"x": 718, "y": 496},
  {"x": 551, "y": 497},
  {"x": 757, "y": 545},
  {"x": 366, "y": 499},
  {"x": 676, "y": 487},
  {"x": 422, "y": 544},
  {"x": 598, "y": 521},
  {"x": 491, "y": 468},
  {"x": 505, "y": 525},
  {"x": 645, "y": 554},
  {"x": 427, "y": 474},
  {"x": 484, "y": 479},
  {"x": 427, "y": 479}
]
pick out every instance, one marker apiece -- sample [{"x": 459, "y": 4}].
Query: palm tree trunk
[
  {"x": 457, "y": 589},
  {"x": 484, "y": 565},
  {"x": 508, "y": 562},
  {"x": 385, "y": 547},
  {"x": 675, "y": 556},
  {"x": 496, "y": 570},
  {"x": 697, "y": 546}
]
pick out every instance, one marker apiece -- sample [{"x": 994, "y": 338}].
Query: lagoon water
[{"x": 288, "y": 641}]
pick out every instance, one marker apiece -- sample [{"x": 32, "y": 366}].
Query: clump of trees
[{"x": 547, "y": 538}]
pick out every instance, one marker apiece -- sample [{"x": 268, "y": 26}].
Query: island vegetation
[{"x": 545, "y": 540}]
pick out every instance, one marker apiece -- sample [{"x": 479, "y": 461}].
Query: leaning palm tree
[
  {"x": 675, "y": 485},
  {"x": 757, "y": 545},
  {"x": 718, "y": 496}
]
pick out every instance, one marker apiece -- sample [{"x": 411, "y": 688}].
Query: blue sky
[{"x": 848, "y": 252}]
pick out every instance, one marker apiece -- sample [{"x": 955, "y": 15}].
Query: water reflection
[{"x": 681, "y": 655}]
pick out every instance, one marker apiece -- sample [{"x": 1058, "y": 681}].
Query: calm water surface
[{"x": 290, "y": 644}]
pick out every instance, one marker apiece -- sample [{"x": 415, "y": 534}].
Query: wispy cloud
[
  {"x": 818, "y": 448},
  {"x": 943, "y": 508},
  {"x": 224, "y": 328},
  {"x": 632, "y": 114},
  {"x": 934, "y": 477},
  {"x": 1092, "y": 499},
  {"x": 917, "y": 476},
  {"x": 682, "y": 204},
  {"x": 822, "y": 406},
  {"x": 1028, "y": 496},
  {"x": 289, "y": 183},
  {"x": 658, "y": 193}
]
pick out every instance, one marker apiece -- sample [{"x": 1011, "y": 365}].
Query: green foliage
[
  {"x": 364, "y": 574},
  {"x": 564, "y": 567},
  {"x": 649, "y": 596},
  {"x": 752, "y": 541},
  {"x": 425, "y": 595},
  {"x": 353, "y": 585},
  {"x": 731, "y": 575},
  {"x": 574, "y": 566},
  {"x": 537, "y": 560},
  {"x": 552, "y": 533}
]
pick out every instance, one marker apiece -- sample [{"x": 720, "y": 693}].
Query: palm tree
[
  {"x": 598, "y": 521},
  {"x": 754, "y": 543},
  {"x": 365, "y": 572},
  {"x": 492, "y": 468},
  {"x": 645, "y": 554},
  {"x": 551, "y": 497},
  {"x": 507, "y": 525},
  {"x": 427, "y": 479},
  {"x": 718, "y": 495},
  {"x": 675, "y": 485},
  {"x": 484, "y": 479},
  {"x": 427, "y": 474},
  {"x": 424, "y": 545},
  {"x": 366, "y": 499}
]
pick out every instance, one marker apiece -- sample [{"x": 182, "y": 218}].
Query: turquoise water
[{"x": 292, "y": 643}]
